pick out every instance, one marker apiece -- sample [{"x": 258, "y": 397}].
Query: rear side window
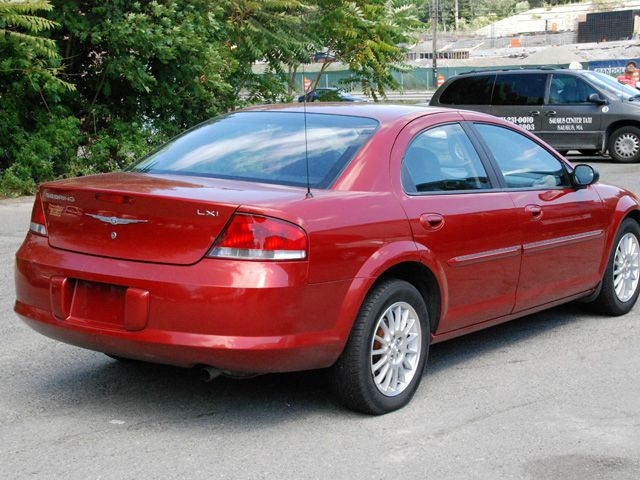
[
  {"x": 519, "y": 89},
  {"x": 474, "y": 90},
  {"x": 523, "y": 163},
  {"x": 265, "y": 147},
  {"x": 569, "y": 89},
  {"x": 442, "y": 159}
]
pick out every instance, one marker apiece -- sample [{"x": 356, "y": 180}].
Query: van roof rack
[{"x": 543, "y": 67}]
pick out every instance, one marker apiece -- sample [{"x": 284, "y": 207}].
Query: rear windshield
[{"x": 265, "y": 147}]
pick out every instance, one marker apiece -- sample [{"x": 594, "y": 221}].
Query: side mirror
[
  {"x": 597, "y": 99},
  {"x": 584, "y": 175}
]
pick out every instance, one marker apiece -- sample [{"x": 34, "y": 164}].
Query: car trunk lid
[{"x": 150, "y": 218}]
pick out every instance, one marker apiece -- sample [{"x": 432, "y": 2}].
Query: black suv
[{"x": 569, "y": 109}]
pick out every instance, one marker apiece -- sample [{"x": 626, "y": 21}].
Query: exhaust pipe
[{"x": 208, "y": 374}]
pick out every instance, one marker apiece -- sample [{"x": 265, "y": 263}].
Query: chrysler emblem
[{"x": 115, "y": 220}]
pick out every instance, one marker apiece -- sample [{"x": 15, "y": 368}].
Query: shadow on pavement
[
  {"x": 472, "y": 346},
  {"x": 148, "y": 393}
]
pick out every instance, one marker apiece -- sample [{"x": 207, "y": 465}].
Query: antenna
[{"x": 306, "y": 142}]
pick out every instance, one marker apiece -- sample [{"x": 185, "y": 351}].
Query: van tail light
[
  {"x": 38, "y": 224},
  {"x": 254, "y": 237}
]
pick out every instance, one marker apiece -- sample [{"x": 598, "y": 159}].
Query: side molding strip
[
  {"x": 485, "y": 256},
  {"x": 556, "y": 242}
]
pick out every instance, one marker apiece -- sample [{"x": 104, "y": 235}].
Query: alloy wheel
[
  {"x": 626, "y": 267},
  {"x": 395, "y": 349}
]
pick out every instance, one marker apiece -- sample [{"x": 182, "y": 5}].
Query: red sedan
[{"x": 352, "y": 237}]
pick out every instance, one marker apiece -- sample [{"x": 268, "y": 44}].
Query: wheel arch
[
  {"x": 619, "y": 124},
  {"x": 633, "y": 214},
  {"x": 405, "y": 265},
  {"x": 425, "y": 281}
]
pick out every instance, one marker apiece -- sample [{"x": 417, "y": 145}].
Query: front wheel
[
  {"x": 382, "y": 363},
  {"x": 621, "y": 279},
  {"x": 624, "y": 145}
]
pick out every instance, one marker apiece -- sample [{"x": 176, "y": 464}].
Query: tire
[
  {"x": 610, "y": 301},
  {"x": 352, "y": 375},
  {"x": 589, "y": 153},
  {"x": 624, "y": 145}
]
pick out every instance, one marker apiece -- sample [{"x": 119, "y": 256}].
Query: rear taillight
[
  {"x": 38, "y": 224},
  {"x": 254, "y": 237}
]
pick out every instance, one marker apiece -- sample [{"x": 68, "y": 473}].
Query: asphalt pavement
[{"x": 555, "y": 395}]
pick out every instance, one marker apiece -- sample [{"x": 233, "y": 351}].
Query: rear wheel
[
  {"x": 382, "y": 364},
  {"x": 621, "y": 279},
  {"x": 624, "y": 145}
]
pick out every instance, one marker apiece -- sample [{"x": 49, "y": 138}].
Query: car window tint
[
  {"x": 474, "y": 90},
  {"x": 519, "y": 89},
  {"x": 265, "y": 147},
  {"x": 442, "y": 159},
  {"x": 567, "y": 89},
  {"x": 523, "y": 163}
]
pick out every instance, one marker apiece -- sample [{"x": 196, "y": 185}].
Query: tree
[
  {"x": 36, "y": 133},
  {"x": 144, "y": 71},
  {"x": 367, "y": 36},
  {"x": 24, "y": 49}
]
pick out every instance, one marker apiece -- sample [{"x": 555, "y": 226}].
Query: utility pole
[
  {"x": 434, "y": 25},
  {"x": 456, "y": 14}
]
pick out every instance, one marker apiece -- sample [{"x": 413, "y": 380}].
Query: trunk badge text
[
  {"x": 209, "y": 213},
  {"x": 116, "y": 220}
]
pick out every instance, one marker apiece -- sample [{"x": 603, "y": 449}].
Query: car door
[
  {"x": 569, "y": 119},
  {"x": 563, "y": 228},
  {"x": 518, "y": 98},
  {"x": 458, "y": 219}
]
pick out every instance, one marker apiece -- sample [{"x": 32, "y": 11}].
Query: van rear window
[
  {"x": 475, "y": 90},
  {"x": 520, "y": 89}
]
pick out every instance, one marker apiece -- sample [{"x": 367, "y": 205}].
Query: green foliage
[
  {"x": 90, "y": 86},
  {"x": 367, "y": 36}
]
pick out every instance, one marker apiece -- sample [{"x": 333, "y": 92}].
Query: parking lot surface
[{"x": 555, "y": 395}]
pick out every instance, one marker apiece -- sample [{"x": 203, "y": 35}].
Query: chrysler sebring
[{"x": 349, "y": 236}]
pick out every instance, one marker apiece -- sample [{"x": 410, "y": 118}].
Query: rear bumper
[{"x": 238, "y": 316}]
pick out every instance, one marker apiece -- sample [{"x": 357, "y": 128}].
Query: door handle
[
  {"x": 431, "y": 221},
  {"x": 534, "y": 113},
  {"x": 551, "y": 113},
  {"x": 534, "y": 210}
]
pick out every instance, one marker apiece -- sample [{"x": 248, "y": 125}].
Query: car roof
[{"x": 383, "y": 113}]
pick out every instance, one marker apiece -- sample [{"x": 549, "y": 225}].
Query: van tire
[{"x": 624, "y": 145}]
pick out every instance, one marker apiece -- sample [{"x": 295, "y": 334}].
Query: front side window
[
  {"x": 265, "y": 147},
  {"x": 569, "y": 89},
  {"x": 442, "y": 159},
  {"x": 475, "y": 90},
  {"x": 519, "y": 89},
  {"x": 612, "y": 86},
  {"x": 523, "y": 163}
]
